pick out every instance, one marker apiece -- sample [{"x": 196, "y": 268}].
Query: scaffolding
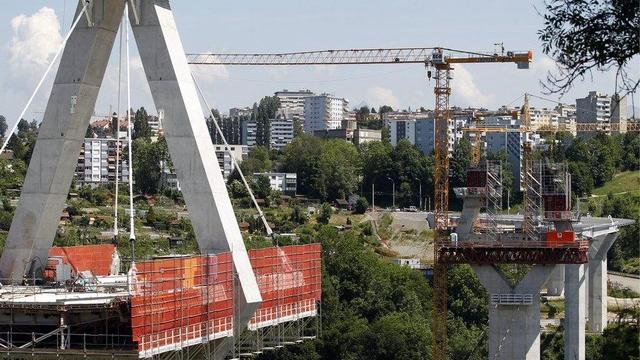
[
  {"x": 493, "y": 197},
  {"x": 532, "y": 176}
]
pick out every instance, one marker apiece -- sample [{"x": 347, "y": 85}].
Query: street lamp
[{"x": 393, "y": 187}]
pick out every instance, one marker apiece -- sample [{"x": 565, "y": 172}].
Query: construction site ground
[{"x": 406, "y": 234}]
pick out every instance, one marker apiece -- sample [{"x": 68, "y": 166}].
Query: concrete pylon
[
  {"x": 597, "y": 281},
  {"x": 555, "y": 284},
  {"x": 470, "y": 210},
  {"x": 574, "y": 319},
  {"x": 66, "y": 119},
  {"x": 60, "y": 137},
  {"x": 514, "y": 312}
]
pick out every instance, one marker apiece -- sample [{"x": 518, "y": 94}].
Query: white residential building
[
  {"x": 280, "y": 133},
  {"x": 602, "y": 111},
  {"x": 292, "y": 103},
  {"x": 324, "y": 112},
  {"x": 287, "y": 183},
  {"x": 225, "y": 154},
  {"x": 97, "y": 162},
  {"x": 169, "y": 179},
  {"x": 401, "y": 129},
  {"x": 419, "y": 129}
]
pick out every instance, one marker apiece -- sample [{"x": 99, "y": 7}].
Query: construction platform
[
  {"x": 512, "y": 252},
  {"x": 184, "y": 304}
]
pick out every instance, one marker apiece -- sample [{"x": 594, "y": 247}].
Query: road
[{"x": 625, "y": 281}]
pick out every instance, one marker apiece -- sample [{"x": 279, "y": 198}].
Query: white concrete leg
[
  {"x": 66, "y": 118},
  {"x": 470, "y": 210},
  {"x": 574, "y": 320},
  {"x": 204, "y": 189},
  {"x": 514, "y": 330},
  {"x": 597, "y": 282}
]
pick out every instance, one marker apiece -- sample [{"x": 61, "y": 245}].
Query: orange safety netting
[{"x": 179, "y": 302}]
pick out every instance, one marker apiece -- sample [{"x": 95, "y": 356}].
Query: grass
[{"x": 628, "y": 181}]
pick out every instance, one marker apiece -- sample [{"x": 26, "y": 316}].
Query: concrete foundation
[
  {"x": 597, "y": 281},
  {"x": 574, "y": 320},
  {"x": 555, "y": 284},
  {"x": 514, "y": 324}
]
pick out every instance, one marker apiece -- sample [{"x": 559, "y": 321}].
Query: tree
[
  {"x": 3, "y": 126},
  {"x": 583, "y": 35},
  {"x": 339, "y": 169},
  {"x": 146, "y": 165},
  {"x": 460, "y": 161},
  {"x": 361, "y": 205},
  {"x": 266, "y": 111},
  {"x": 261, "y": 187},
  {"x": 324, "y": 214},
  {"x": 384, "y": 109},
  {"x": 141, "y": 127},
  {"x": 581, "y": 178},
  {"x": 258, "y": 161}
]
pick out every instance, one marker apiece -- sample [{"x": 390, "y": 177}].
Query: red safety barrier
[
  {"x": 555, "y": 239},
  {"x": 290, "y": 281},
  {"x": 180, "y": 302}
]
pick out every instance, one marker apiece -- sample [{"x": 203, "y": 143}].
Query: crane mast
[{"x": 441, "y": 59}]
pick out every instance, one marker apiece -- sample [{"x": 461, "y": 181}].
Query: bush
[
  {"x": 324, "y": 214},
  {"x": 361, "y": 205}
]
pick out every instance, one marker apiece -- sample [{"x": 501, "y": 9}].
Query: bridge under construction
[{"x": 229, "y": 302}]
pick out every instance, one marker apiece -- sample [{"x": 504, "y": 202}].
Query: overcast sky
[{"x": 31, "y": 31}]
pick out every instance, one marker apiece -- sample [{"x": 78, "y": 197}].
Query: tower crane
[{"x": 439, "y": 63}]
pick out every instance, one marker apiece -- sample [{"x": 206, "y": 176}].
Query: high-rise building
[
  {"x": 323, "y": 112},
  {"x": 292, "y": 103},
  {"x": 97, "y": 162},
  {"x": 401, "y": 126},
  {"x": 280, "y": 133},
  {"x": 603, "y": 111}
]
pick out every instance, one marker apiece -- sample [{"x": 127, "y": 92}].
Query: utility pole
[
  {"x": 420, "y": 195},
  {"x": 373, "y": 196},
  {"x": 393, "y": 193}
]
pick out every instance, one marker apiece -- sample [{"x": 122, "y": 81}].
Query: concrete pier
[
  {"x": 514, "y": 312},
  {"x": 574, "y": 319},
  {"x": 470, "y": 210},
  {"x": 555, "y": 284},
  {"x": 597, "y": 281}
]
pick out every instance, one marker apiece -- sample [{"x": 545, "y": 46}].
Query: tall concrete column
[
  {"x": 190, "y": 146},
  {"x": 555, "y": 284},
  {"x": 574, "y": 319},
  {"x": 514, "y": 313},
  {"x": 470, "y": 210},
  {"x": 60, "y": 137},
  {"x": 597, "y": 281}
]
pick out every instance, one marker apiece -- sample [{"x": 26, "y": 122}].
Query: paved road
[{"x": 628, "y": 282}]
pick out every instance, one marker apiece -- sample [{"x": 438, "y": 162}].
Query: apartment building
[
  {"x": 281, "y": 133},
  {"x": 97, "y": 162},
  {"x": 292, "y": 103},
  {"x": 324, "y": 112},
  {"x": 606, "y": 113},
  {"x": 287, "y": 183}
]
